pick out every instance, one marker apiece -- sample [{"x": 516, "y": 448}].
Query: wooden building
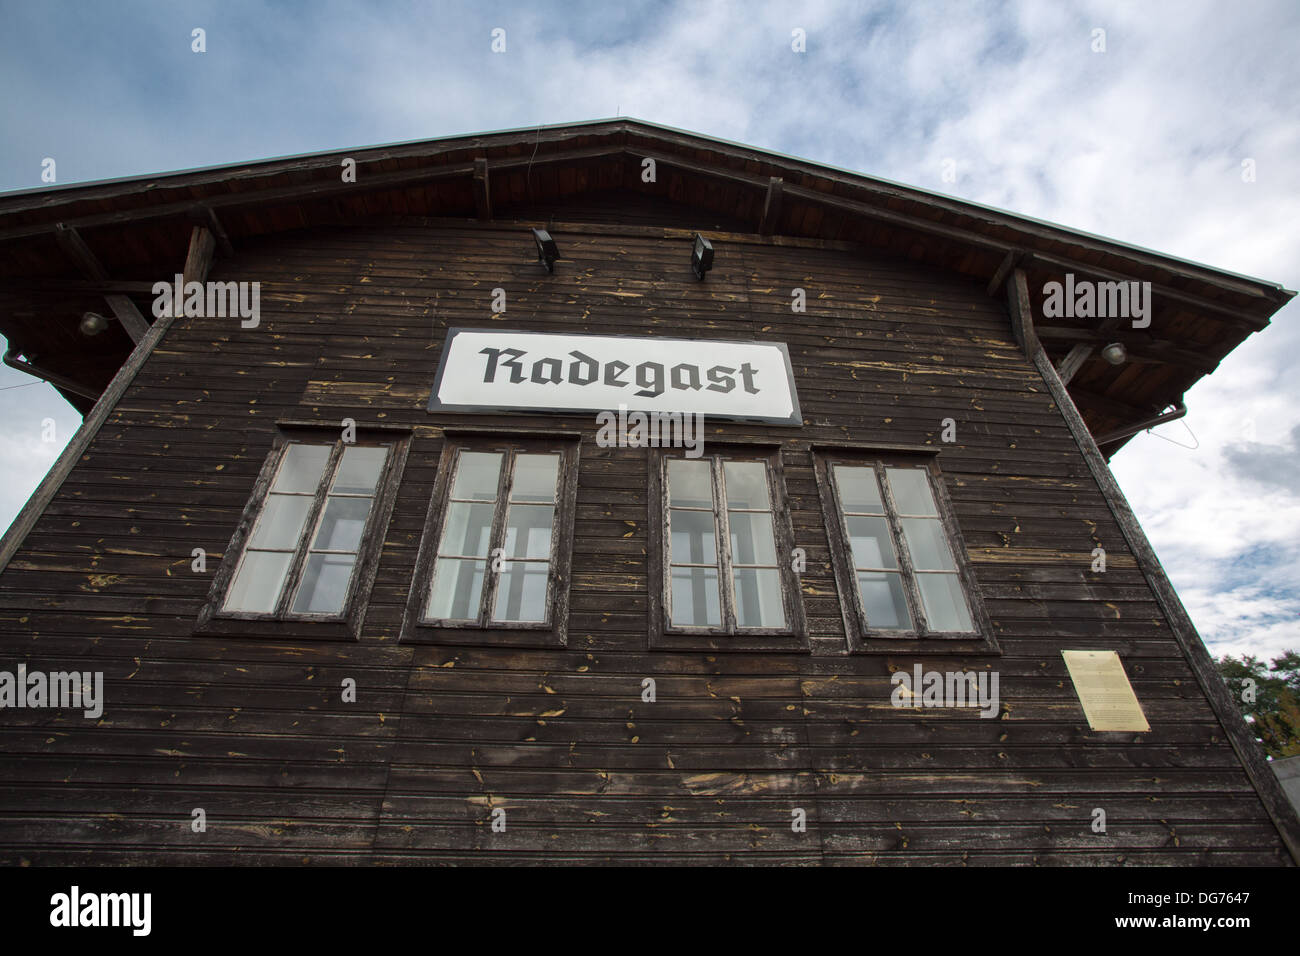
[{"x": 358, "y": 604}]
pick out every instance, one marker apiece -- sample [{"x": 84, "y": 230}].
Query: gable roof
[{"x": 63, "y": 248}]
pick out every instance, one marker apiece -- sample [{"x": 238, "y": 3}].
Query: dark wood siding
[{"x": 254, "y": 730}]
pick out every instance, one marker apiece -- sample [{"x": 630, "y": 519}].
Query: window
[
  {"x": 898, "y": 557},
  {"x": 723, "y": 576},
  {"x": 496, "y": 545},
  {"x": 306, "y": 547}
]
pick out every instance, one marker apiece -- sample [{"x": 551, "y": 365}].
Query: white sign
[{"x": 489, "y": 371}]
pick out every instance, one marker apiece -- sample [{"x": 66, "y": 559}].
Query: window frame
[
  {"x": 862, "y": 638},
  {"x": 553, "y": 631},
  {"x": 282, "y": 622},
  {"x": 728, "y": 636}
]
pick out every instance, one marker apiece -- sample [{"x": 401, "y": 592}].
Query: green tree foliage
[{"x": 1274, "y": 713}]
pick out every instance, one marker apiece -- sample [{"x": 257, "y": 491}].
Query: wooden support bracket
[
  {"x": 772, "y": 206},
  {"x": 482, "y": 191},
  {"x": 75, "y": 248}
]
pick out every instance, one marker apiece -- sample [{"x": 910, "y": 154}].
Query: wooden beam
[
  {"x": 1073, "y": 361},
  {"x": 771, "y": 206},
  {"x": 198, "y": 259},
  {"x": 1022, "y": 323},
  {"x": 75, "y": 248},
  {"x": 1009, "y": 262},
  {"x": 1080, "y": 353},
  {"x": 132, "y": 319},
  {"x": 1261, "y": 776},
  {"x": 482, "y": 192},
  {"x": 203, "y": 215}
]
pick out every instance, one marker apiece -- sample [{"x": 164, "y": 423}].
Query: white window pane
[
  {"x": 359, "y": 471},
  {"x": 691, "y": 537},
  {"x": 521, "y": 591},
  {"x": 928, "y": 544},
  {"x": 695, "y": 597},
  {"x": 457, "y": 589},
  {"x": 871, "y": 542},
  {"x": 535, "y": 477},
  {"x": 341, "y": 524},
  {"x": 476, "y": 475},
  {"x": 324, "y": 585},
  {"x": 468, "y": 530},
  {"x": 945, "y": 605},
  {"x": 859, "y": 490},
  {"x": 528, "y": 531},
  {"x": 280, "y": 524},
  {"x": 257, "y": 584},
  {"x": 758, "y": 598},
  {"x": 751, "y": 537},
  {"x": 746, "y": 483},
  {"x": 883, "y": 600},
  {"x": 690, "y": 483},
  {"x": 301, "y": 468},
  {"x": 911, "y": 491}
]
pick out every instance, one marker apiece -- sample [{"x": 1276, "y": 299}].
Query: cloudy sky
[{"x": 1143, "y": 142}]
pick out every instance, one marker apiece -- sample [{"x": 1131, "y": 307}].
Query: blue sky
[{"x": 1142, "y": 143}]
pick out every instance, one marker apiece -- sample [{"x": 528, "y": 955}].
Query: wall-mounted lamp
[
  {"x": 546, "y": 250},
  {"x": 1115, "y": 353},
  {"x": 701, "y": 256},
  {"x": 92, "y": 323}
]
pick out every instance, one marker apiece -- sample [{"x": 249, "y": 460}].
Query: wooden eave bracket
[
  {"x": 482, "y": 191},
  {"x": 1022, "y": 315},
  {"x": 75, "y": 248},
  {"x": 205, "y": 215},
  {"x": 1011, "y": 260},
  {"x": 1078, "y": 354},
  {"x": 771, "y": 206},
  {"x": 198, "y": 258}
]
